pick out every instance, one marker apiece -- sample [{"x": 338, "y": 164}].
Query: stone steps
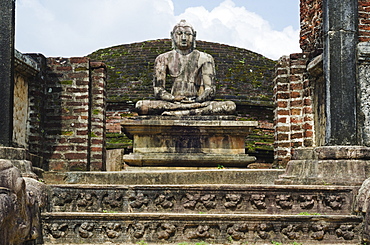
[
  {"x": 136, "y": 228},
  {"x": 159, "y": 176},
  {"x": 188, "y": 206}
]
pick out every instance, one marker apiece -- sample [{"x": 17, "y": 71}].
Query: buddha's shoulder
[{"x": 204, "y": 56}]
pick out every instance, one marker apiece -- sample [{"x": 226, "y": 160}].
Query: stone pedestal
[
  {"x": 328, "y": 165},
  {"x": 191, "y": 141}
]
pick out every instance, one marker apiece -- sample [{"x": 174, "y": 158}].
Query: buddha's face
[{"x": 183, "y": 37}]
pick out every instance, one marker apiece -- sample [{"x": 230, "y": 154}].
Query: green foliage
[
  {"x": 219, "y": 166},
  {"x": 142, "y": 242},
  {"x": 276, "y": 243}
]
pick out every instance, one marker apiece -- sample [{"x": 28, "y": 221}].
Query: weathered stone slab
[
  {"x": 167, "y": 177},
  {"x": 126, "y": 228},
  {"x": 186, "y": 159},
  {"x": 334, "y": 165}
]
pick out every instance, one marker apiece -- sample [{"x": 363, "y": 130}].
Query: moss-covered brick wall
[{"x": 242, "y": 76}]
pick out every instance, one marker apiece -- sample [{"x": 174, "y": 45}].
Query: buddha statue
[{"x": 193, "y": 80}]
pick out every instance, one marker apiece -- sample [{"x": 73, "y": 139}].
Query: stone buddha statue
[{"x": 193, "y": 80}]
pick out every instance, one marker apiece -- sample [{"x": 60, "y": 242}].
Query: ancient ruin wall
[
  {"x": 74, "y": 113},
  {"x": 311, "y": 36},
  {"x": 293, "y": 107}
]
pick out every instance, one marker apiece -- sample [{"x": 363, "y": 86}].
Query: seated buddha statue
[{"x": 193, "y": 80}]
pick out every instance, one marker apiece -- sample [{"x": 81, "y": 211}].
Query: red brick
[
  {"x": 295, "y": 94},
  {"x": 70, "y": 156},
  {"x": 296, "y": 136},
  {"x": 308, "y": 134},
  {"x": 295, "y": 112},
  {"x": 282, "y": 137}
]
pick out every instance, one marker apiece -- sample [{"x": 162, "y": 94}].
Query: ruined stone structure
[
  {"x": 304, "y": 95},
  {"x": 321, "y": 134},
  {"x": 64, "y": 122}
]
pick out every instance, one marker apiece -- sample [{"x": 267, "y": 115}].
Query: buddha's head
[{"x": 183, "y": 36}]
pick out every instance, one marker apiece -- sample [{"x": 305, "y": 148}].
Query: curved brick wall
[{"x": 242, "y": 76}]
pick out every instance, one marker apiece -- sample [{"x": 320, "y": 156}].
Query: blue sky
[{"x": 78, "y": 27}]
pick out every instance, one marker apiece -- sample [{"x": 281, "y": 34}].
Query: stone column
[
  {"x": 343, "y": 159},
  {"x": 7, "y": 27},
  {"x": 340, "y": 40}
]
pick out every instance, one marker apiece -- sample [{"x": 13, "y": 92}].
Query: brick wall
[
  {"x": 311, "y": 37},
  {"x": 311, "y": 26},
  {"x": 293, "y": 117},
  {"x": 67, "y": 114},
  {"x": 97, "y": 116},
  {"x": 364, "y": 20}
]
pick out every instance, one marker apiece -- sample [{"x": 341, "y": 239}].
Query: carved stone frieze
[
  {"x": 112, "y": 201},
  {"x": 335, "y": 202},
  {"x": 237, "y": 231},
  {"x": 264, "y": 230},
  {"x": 56, "y": 230},
  {"x": 113, "y": 230},
  {"x": 232, "y": 201},
  {"x": 86, "y": 201},
  {"x": 166, "y": 230},
  {"x": 164, "y": 201},
  {"x": 347, "y": 232},
  {"x": 207, "y": 201},
  {"x": 306, "y": 201},
  {"x": 138, "y": 200},
  {"x": 292, "y": 232},
  {"x": 200, "y": 232},
  {"x": 219, "y": 229},
  {"x": 258, "y": 201},
  {"x": 174, "y": 199},
  {"x": 284, "y": 201},
  {"x": 86, "y": 229}
]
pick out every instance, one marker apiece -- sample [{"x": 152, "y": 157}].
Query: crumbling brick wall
[
  {"x": 67, "y": 116},
  {"x": 293, "y": 107},
  {"x": 311, "y": 35}
]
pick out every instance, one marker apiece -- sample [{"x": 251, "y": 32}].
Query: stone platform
[
  {"x": 188, "y": 141},
  {"x": 215, "y": 214}
]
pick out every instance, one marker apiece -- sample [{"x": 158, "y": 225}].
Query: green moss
[
  {"x": 67, "y": 82},
  {"x": 67, "y": 133},
  {"x": 81, "y": 69}
]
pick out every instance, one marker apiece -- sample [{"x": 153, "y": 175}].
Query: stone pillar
[
  {"x": 340, "y": 40},
  {"x": 342, "y": 158},
  {"x": 7, "y": 20}
]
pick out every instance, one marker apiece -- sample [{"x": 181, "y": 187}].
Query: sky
[{"x": 70, "y": 28}]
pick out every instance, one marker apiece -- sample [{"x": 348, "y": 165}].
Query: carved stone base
[
  {"x": 191, "y": 141},
  {"x": 328, "y": 165},
  {"x": 128, "y": 228}
]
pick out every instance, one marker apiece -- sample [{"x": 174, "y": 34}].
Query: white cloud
[
  {"x": 238, "y": 27},
  {"x": 79, "y": 27}
]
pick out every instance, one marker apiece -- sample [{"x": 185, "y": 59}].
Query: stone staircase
[{"x": 193, "y": 206}]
